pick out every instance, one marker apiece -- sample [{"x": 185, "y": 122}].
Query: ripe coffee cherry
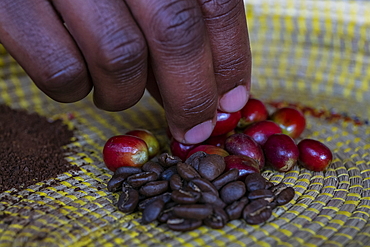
[
  {"x": 291, "y": 121},
  {"x": 226, "y": 122},
  {"x": 260, "y": 131},
  {"x": 281, "y": 152},
  {"x": 314, "y": 155},
  {"x": 181, "y": 150},
  {"x": 149, "y": 138},
  {"x": 125, "y": 150},
  {"x": 243, "y": 144},
  {"x": 253, "y": 111},
  {"x": 243, "y": 163}
]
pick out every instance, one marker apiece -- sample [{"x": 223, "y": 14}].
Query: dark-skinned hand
[{"x": 193, "y": 56}]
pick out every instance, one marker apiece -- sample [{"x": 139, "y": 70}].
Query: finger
[
  {"x": 227, "y": 29},
  {"x": 34, "y": 35},
  {"x": 152, "y": 86},
  {"x": 113, "y": 47},
  {"x": 182, "y": 64}
]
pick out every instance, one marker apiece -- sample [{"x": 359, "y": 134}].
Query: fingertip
[
  {"x": 235, "y": 99},
  {"x": 196, "y": 134}
]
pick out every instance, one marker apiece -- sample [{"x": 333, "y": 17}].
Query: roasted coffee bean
[
  {"x": 255, "y": 181},
  {"x": 217, "y": 219},
  {"x": 186, "y": 171},
  {"x": 127, "y": 170},
  {"x": 168, "y": 173},
  {"x": 193, "y": 211},
  {"x": 256, "y": 211},
  {"x": 227, "y": 177},
  {"x": 211, "y": 166},
  {"x": 276, "y": 189},
  {"x": 259, "y": 218},
  {"x": 152, "y": 211},
  {"x": 232, "y": 191},
  {"x": 235, "y": 209},
  {"x": 139, "y": 179},
  {"x": 128, "y": 200},
  {"x": 167, "y": 160},
  {"x": 285, "y": 196},
  {"x": 264, "y": 194},
  {"x": 183, "y": 225},
  {"x": 212, "y": 199},
  {"x": 152, "y": 166},
  {"x": 269, "y": 185},
  {"x": 115, "y": 183},
  {"x": 165, "y": 197},
  {"x": 202, "y": 185},
  {"x": 176, "y": 182},
  {"x": 154, "y": 188},
  {"x": 165, "y": 215},
  {"x": 194, "y": 159},
  {"x": 185, "y": 197}
]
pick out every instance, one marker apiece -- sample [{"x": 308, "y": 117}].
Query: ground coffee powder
[{"x": 30, "y": 148}]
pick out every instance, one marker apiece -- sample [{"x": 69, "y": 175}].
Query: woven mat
[{"x": 313, "y": 54}]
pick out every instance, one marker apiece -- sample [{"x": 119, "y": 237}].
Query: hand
[{"x": 192, "y": 55}]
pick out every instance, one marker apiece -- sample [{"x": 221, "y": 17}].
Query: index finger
[
  {"x": 182, "y": 64},
  {"x": 227, "y": 29}
]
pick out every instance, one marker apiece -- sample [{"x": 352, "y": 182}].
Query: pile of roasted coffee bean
[{"x": 198, "y": 191}]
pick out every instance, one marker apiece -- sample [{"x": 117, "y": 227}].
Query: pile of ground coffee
[{"x": 30, "y": 148}]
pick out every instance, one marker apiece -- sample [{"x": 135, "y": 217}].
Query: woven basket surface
[{"x": 311, "y": 54}]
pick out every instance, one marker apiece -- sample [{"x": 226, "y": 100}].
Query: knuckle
[
  {"x": 124, "y": 57},
  {"x": 199, "y": 103},
  {"x": 61, "y": 74},
  {"x": 178, "y": 25}
]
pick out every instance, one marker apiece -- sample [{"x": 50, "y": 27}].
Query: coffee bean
[
  {"x": 269, "y": 185},
  {"x": 154, "y": 188},
  {"x": 152, "y": 211},
  {"x": 235, "y": 209},
  {"x": 229, "y": 176},
  {"x": 259, "y": 218},
  {"x": 185, "y": 197},
  {"x": 194, "y": 159},
  {"x": 128, "y": 200},
  {"x": 217, "y": 219},
  {"x": 232, "y": 191},
  {"x": 165, "y": 215},
  {"x": 211, "y": 166},
  {"x": 139, "y": 179},
  {"x": 285, "y": 196},
  {"x": 256, "y": 212},
  {"x": 193, "y": 211},
  {"x": 255, "y": 181},
  {"x": 168, "y": 173},
  {"x": 212, "y": 199},
  {"x": 186, "y": 171},
  {"x": 151, "y": 166},
  {"x": 167, "y": 160},
  {"x": 165, "y": 197},
  {"x": 115, "y": 183},
  {"x": 167, "y": 212},
  {"x": 202, "y": 185},
  {"x": 127, "y": 170},
  {"x": 176, "y": 182},
  {"x": 276, "y": 189},
  {"x": 262, "y": 193},
  {"x": 183, "y": 225}
]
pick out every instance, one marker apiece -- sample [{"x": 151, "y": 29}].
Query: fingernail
[
  {"x": 199, "y": 133},
  {"x": 234, "y": 100}
]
